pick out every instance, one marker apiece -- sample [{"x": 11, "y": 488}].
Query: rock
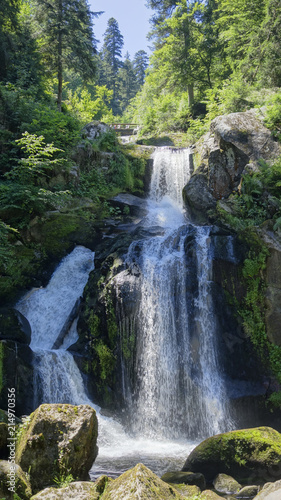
[
  {"x": 85, "y": 490},
  {"x": 180, "y": 477},
  {"x": 248, "y": 453},
  {"x": 270, "y": 491},
  {"x": 59, "y": 440},
  {"x": 17, "y": 371},
  {"x": 187, "y": 490},
  {"x": 137, "y": 206},
  {"x": 198, "y": 197},
  {"x": 94, "y": 130},
  {"x": 226, "y": 484},
  {"x": 3, "y": 439},
  {"x": 245, "y": 131},
  {"x": 12, "y": 476},
  {"x": 248, "y": 491},
  {"x": 210, "y": 495},
  {"x": 273, "y": 282},
  {"x": 233, "y": 142},
  {"x": 140, "y": 482},
  {"x": 14, "y": 326}
]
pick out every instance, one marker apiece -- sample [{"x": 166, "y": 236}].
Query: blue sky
[{"x": 133, "y": 20}]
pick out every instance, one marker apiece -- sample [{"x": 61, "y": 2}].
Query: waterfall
[
  {"x": 57, "y": 378},
  {"x": 178, "y": 390},
  {"x": 177, "y": 394}
]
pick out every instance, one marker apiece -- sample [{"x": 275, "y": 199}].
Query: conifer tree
[
  {"x": 66, "y": 38},
  {"x": 140, "y": 64},
  {"x": 111, "y": 62},
  {"x": 127, "y": 83}
]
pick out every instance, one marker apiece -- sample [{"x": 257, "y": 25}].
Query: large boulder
[
  {"x": 234, "y": 141},
  {"x": 140, "y": 482},
  {"x": 252, "y": 454},
  {"x": 74, "y": 491},
  {"x": 59, "y": 440},
  {"x": 13, "y": 480}
]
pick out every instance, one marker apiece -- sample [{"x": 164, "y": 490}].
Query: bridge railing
[{"x": 124, "y": 126}]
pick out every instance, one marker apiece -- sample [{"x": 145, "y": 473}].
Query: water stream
[{"x": 179, "y": 394}]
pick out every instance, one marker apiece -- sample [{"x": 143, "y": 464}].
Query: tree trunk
[
  {"x": 60, "y": 56},
  {"x": 190, "y": 90}
]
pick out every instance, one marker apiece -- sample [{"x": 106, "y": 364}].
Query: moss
[{"x": 238, "y": 453}]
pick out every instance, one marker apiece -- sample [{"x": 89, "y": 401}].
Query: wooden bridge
[{"x": 125, "y": 128}]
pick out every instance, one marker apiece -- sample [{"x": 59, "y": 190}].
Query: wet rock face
[
  {"x": 17, "y": 372},
  {"x": 14, "y": 326},
  {"x": 59, "y": 440},
  {"x": 252, "y": 454},
  {"x": 273, "y": 291}
]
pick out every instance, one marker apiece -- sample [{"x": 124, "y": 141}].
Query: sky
[{"x": 133, "y": 20}]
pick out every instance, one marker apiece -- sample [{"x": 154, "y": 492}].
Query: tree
[
  {"x": 127, "y": 83},
  {"x": 9, "y": 10},
  {"x": 66, "y": 38},
  {"x": 111, "y": 54},
  {"x": 140, "y": 64}
]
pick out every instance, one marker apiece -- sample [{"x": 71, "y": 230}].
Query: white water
[
  {"x": 179, "y": 392},
  {"x": 180, "y": 395}
]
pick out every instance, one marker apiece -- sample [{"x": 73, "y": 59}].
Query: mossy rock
[
  {"x": 140, "y": 482},
  {"x": 22, "y": 487},
  {"x": 248, "y": 491},
  {"x": 187, "y": 490},
  {"x": 75, "y": 491},
  {"x": 14, "y": 326},
  {"x": 226, "y": 484},
  {"x": 209, "y": 495},
  {"x": 179, "y": 477},
  {"x": 59, "y": 440},
  {"x": 252, "y": 454}
]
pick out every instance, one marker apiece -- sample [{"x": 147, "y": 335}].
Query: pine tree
[
  {"x": 67, "y": 39},
  {"x": 111, "y": 54},
  {"x": 127, "y": 83},
  {"x": 140, "y": 64}
]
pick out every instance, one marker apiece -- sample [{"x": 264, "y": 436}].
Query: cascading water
[
  {"x": 179, "y": 391},
  {"x": 178, "y": 394}
]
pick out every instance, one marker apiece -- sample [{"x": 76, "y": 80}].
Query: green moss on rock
[
  {"x": 74, "y": 491},
  {"x": 59, "y": 440},
  {"x": 254, "y": 454},
  {"x": 140, "y": 482}
]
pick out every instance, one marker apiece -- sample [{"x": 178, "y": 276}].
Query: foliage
[
  {"x": 91, "y": 106},
  {"x": 273, "y": 115},
  {"x": 66, "y": 38}
]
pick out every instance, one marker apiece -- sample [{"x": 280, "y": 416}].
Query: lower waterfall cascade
[{"x": 179, "y": 395}]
